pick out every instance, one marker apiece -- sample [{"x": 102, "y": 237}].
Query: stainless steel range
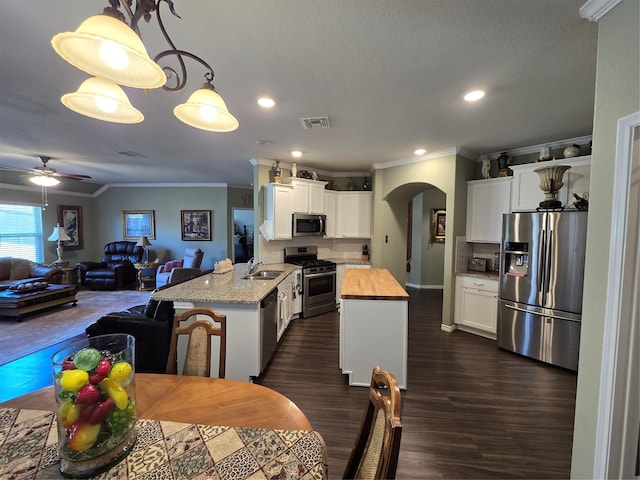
[{"x": 318, "y": 280}]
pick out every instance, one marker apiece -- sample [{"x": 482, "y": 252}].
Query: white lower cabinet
[
  {"x": 284, "y": 305},
  {"x": 476, "y": 305}
]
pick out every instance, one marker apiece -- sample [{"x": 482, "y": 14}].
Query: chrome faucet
[{"x": 252, "y": 265}]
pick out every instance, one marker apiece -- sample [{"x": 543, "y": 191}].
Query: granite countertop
[
  {"x": 487, "y": 275},
  {"x": 348, "y": 261},
  {"x": 227, "y": 287}
]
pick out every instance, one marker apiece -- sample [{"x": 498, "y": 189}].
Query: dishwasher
[{"x": 268, "y": 327}]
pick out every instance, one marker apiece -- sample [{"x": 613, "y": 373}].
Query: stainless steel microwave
[{"x": 304, "y": 224}]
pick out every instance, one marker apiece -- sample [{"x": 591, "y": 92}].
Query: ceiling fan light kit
[
  {"x": 44, "y": 181},
  {"x": 123, "y": 59}
]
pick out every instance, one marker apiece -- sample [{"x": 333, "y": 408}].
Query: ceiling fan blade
[
  {"x": 71, "y": 176},
  {"x": 15, "y": 169}
]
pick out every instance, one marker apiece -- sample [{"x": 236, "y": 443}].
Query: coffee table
[{"x": 16, "y": 305}]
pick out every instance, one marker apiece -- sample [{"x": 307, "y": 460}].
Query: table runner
[{"x": 171, "y": 450}]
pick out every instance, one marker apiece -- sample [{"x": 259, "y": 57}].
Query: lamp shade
[
  {"x": 44, "y": 180},
  {"x": 143, "y": 242},
  {"x": 107, "y": 47},
  {"x": 59, "y": 234},
  {"x": 104, "y": 100},
  {"x": 206, "y": 110}
]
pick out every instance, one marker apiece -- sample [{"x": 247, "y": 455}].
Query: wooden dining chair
[
  {"x": 377, "y": 446},
  {"x": 197, "y": 360}
]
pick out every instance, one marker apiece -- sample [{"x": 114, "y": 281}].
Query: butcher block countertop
[{"x": 371, "y": 284}]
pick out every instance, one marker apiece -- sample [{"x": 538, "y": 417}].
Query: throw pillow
[
  {"x": 170, "y": 265},
  {"x": 20, "y": 268}
]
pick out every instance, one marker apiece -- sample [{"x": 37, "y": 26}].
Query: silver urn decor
[{"x": 550, "y": 184}]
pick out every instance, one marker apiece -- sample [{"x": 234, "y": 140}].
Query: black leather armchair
[
  {"x": 115, "y": 271},
  {"x": 150, "y": 325}
]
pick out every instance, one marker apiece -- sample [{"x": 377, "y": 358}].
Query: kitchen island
[
  {"x": 374, "y": 310},
  {"x": 238, "y": 298}
]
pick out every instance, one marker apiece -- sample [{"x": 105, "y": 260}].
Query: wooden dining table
[
  {"x": 200, "y": 400},
  {"x": 187, "y": 426}
]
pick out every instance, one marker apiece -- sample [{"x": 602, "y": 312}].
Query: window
[{"x": 21, "y": 232}]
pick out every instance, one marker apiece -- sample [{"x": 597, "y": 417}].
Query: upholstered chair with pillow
[{"x": 177, "y": 270}]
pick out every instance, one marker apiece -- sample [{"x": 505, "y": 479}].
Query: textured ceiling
[{"x": 389, "y": 74}]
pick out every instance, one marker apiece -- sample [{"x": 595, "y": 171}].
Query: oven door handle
[{"x": 316, "y": 275}]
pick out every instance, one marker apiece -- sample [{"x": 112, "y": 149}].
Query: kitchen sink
[{"x": 263, "y": 275}]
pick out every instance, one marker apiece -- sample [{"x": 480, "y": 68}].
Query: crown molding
[
  {"x": 536, "y": 148},
  {"x": 418, "y": 159},
  {"x": 594, "y": 10}
]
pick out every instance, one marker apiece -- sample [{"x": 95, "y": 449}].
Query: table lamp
[
  {"x": 59, "y": 235},
  {"x": 144, "y": 243}
]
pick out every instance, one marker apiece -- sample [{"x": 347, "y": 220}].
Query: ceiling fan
[{"x": 45, "y": 176}]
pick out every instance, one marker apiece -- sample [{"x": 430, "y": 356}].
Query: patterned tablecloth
[{"x": 28, "y": 449}]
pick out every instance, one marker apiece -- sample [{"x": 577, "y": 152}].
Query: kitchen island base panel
[
  {"x": 243, "y": 339},
  {"x": 373, "y": 332}
]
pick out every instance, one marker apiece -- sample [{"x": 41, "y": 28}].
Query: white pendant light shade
[
  {"x": 104, "y": 100},
  {"x": 107, "y": 47},
  {"x": 44, "y": 181},
  {"x": 206, "y": 110}
]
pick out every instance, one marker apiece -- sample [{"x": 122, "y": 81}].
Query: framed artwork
[
  {"x": 70, "y": 217},
  {"x": 195, "y": 224},
  {"x": 138, "y": 223},
  {"x": 438, "y": 225}
]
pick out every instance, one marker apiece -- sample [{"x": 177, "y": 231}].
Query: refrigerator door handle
[
  {"x": 549, "y": 302},
  {"x": 541, "y": 274}
]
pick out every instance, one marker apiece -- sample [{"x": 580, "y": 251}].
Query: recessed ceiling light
[
  {"x": 296, "y": 153},
  {"x": 474, "y": 95},
  {"x": 420, "y": 151},
  {"x": 266, "y": 102}
]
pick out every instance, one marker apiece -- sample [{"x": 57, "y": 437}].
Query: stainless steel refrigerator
[{"x": 541, "y": 279}]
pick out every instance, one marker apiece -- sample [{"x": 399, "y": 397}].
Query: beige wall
[
  {"x": 393, "y": 188},
  {"x": 617, "y": 95}
]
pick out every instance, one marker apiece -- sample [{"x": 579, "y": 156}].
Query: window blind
[{"x": 21, "y": 232}]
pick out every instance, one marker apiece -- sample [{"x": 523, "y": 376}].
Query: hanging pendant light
[
  {"x": 106, "y": 47},
  {"x": 206, "y": 110},
  {"x": 104, "y": 100}
]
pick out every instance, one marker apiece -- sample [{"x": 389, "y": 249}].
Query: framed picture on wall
[
  {"x": 138, "y": 223},
  {"x": 438, "y": 225},
  {"x": 195, "y": 224},
  {"x": 70, "y": 217}
]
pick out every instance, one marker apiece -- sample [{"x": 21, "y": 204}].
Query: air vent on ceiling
[{"x": 315, "y": 122}]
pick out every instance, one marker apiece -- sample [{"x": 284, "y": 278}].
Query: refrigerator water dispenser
[{"x": 516, "y": 259}]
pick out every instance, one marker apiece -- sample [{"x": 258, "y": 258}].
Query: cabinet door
[
  {"x": 480, "y": 309},
  {"x": 356, "y": 214},
  {"x": 333, "y": 208},
  {"x": 300, "y": 197},
  {"x": 316, "y": 199},
  {"x": 487, "y": 201},
  {"x": 278, "y": 210}
]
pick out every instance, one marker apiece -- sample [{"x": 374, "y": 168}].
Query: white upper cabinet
[
  {"x": 278, "y": 208},
  {"x": 526, "y": 194},
  {"x": 356, "y": 214},
  {"x": 308, "y": 195},
  {"x": 487, "y": 201},
  {"x": 348, "y": 214},
  {"x": 333, "y": 208}
]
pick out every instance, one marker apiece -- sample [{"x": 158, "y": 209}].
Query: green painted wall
[
  {"x": 393, "y": 188},
  {"x": 617, "y": 95}
]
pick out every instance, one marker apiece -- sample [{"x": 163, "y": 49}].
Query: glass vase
[{"x": 94, "y": 381}]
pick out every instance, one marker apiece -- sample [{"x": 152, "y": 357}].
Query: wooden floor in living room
[{"x": 470, "y": 409}]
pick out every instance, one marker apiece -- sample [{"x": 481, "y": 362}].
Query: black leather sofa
[{"x": 149, "y": 324}]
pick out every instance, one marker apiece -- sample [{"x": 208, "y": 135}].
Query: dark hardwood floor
[{"x": 470, "y": 409}]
